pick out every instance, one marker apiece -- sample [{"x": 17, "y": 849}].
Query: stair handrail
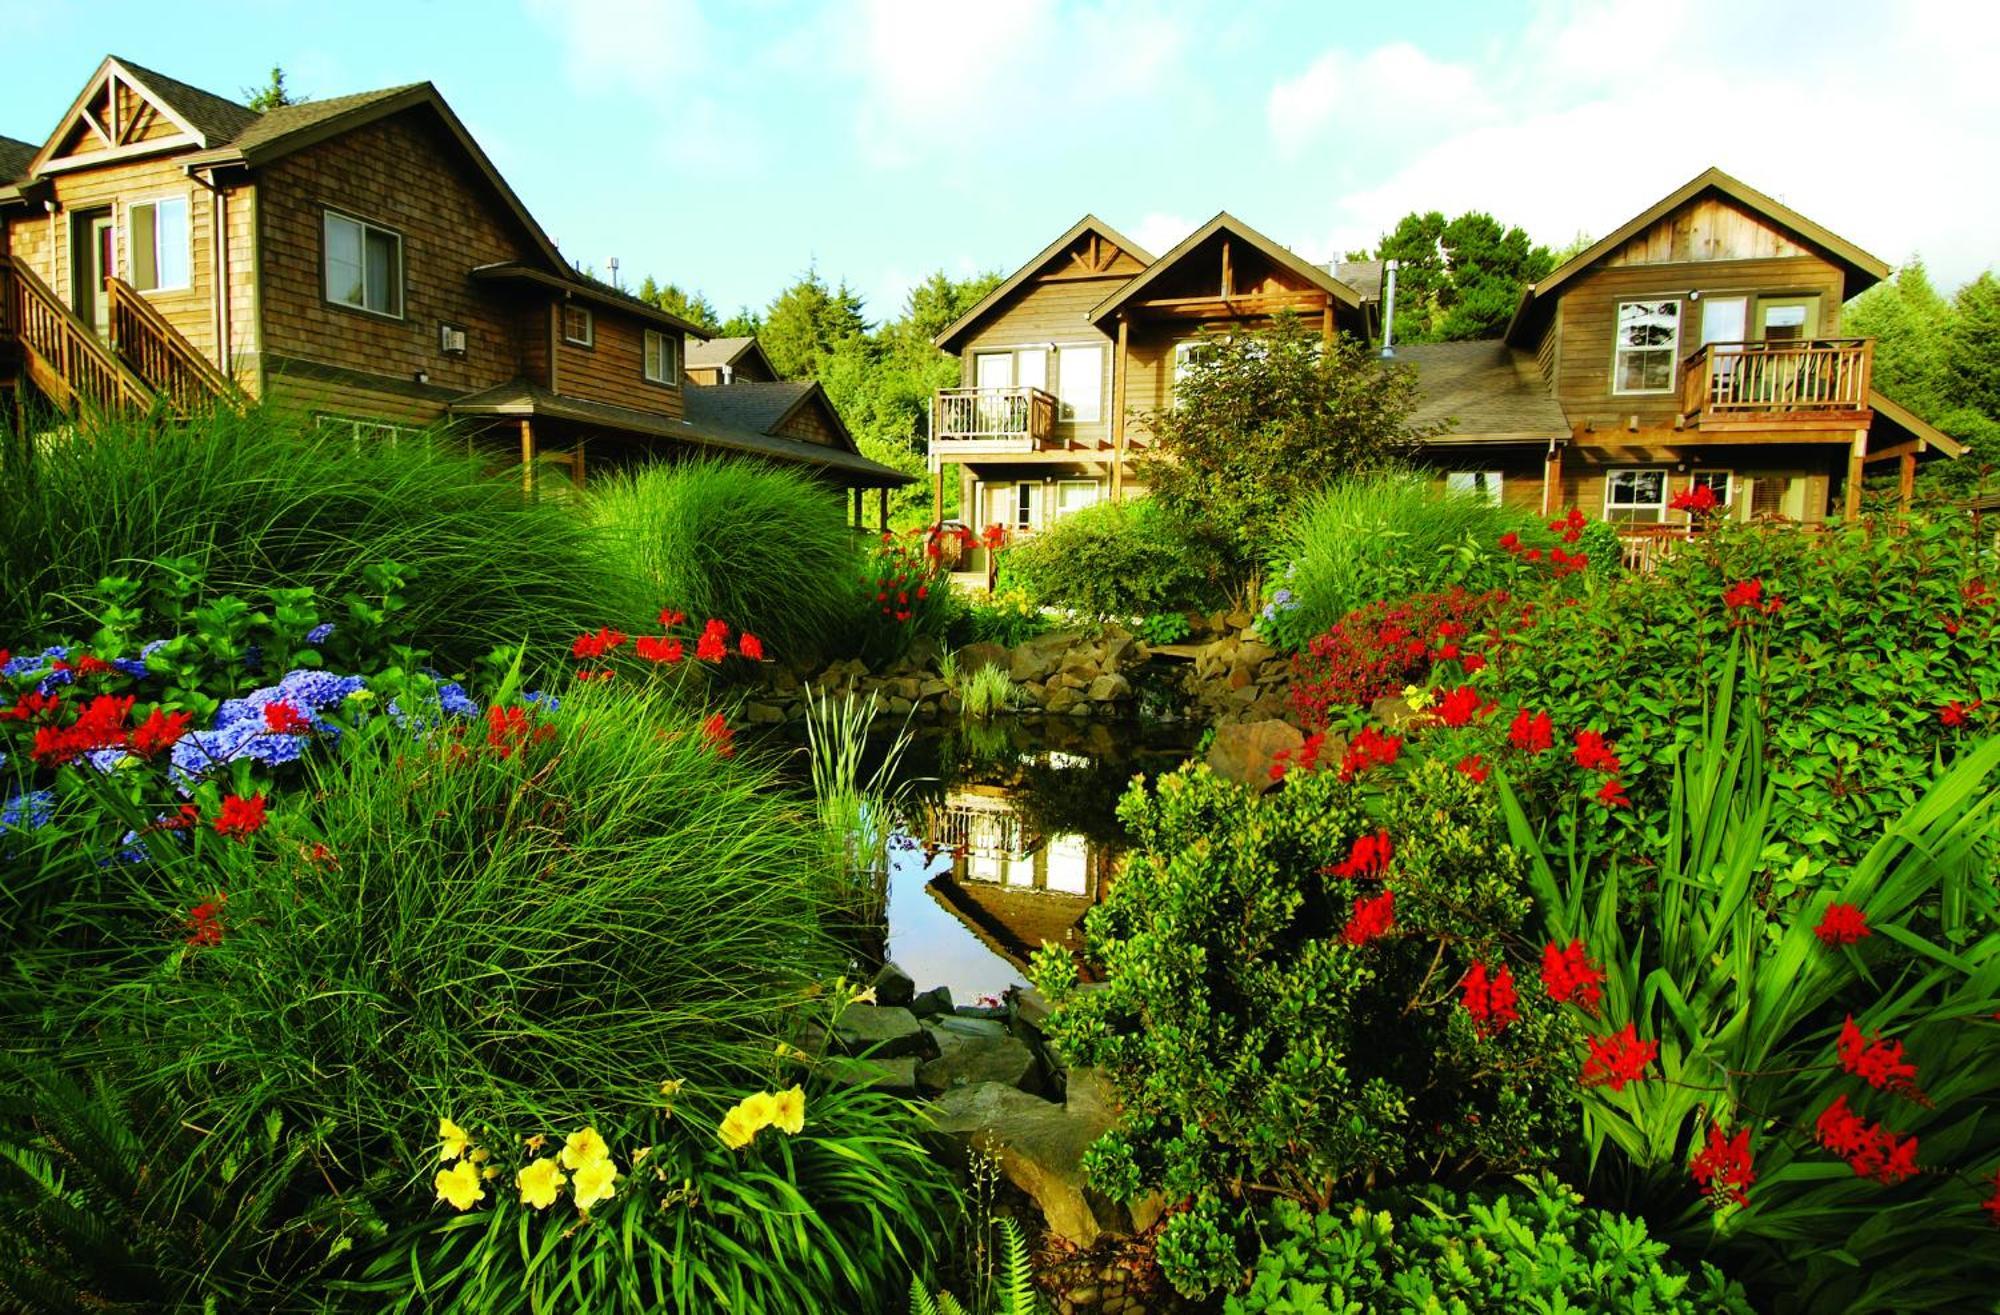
[
  {"x": 159, "y": 353},
  {"x": 69, "y": 347}
]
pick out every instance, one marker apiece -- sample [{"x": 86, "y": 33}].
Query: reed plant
[
  {"x": 859, "y": 803},
  {"x": 985, "y": 693}
]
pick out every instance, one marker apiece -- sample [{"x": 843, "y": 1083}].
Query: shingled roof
[
  {"x": 216, "y": 118},
  {"x": 1364, "y": 276},
  {"x": 14, "y": 157},
  {"x": 1487, "y": 391},
  {"x": 755, "y": 405},
  {"x": 707, "y": 355},
  {"x": 283, "y": 121}
]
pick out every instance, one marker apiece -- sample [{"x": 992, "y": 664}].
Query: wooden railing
[
  {"x": 1765, "y": 380},
  {"x": 158, "y": 353},
  {"x": 65, "y": 358},
  {"x": 1005, "y": 418},
  {"x": 978, "y": 826},
  {"x": 1646, "y": 546}
]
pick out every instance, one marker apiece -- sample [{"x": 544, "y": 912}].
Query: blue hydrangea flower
[
  {"x": 54, "y": 681},
  {"x": 454, "y": 700},
  {"x": 548, "y": 702},
  {"x": 1283, "y": 598},
  {"x": 152, "y": 647},
  {"x": 133, "y": 667},
  {"x": 29, "y": 811},
  {"x": 28, "y": 663},
  {"x": 315, "y": 691},
  {"x": 253, "y": 658},
  {"x": 107, "y": 760},
  {"x": 320, "y": 633}
]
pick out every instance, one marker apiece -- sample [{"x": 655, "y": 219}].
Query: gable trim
[
  {"x": 958, "y": 328},
  {"x": 1305, "y": 269},
  {"x": 78, "y": 114}
]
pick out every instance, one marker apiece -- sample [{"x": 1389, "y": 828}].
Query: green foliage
[
  {"x": 1459, "y": 279},
  {"x": 807, "y": 322},
  {"x": 1255, "y": 1045},
  {"x": 1015, "y": 1284},
  {"x": 1007, "y": 616},
  {"x": 259, "y": 501},
  {"x": 690, "y": 306},
  {"x": 1117, "y": 560},
  {"x": 274, "y": 94},
  {"x": 1432, "y": 1251},
  {"x": 1365, "y": 538},
  {"x": 764, "y": 547},
  {"x": 1972, "y": 346},
  {"x": 1938, "y": 358},
  {"x": 1259, "y": 422},
  {"x": 1878, "y": 632},
  {"x": 834, "y": 1217},
  {"x": 1164, "y": 628},
  {"x": 1908, "y": 320},
  {"x": 1747, "y": 1005},
  {"x": 985, "y": 692}
]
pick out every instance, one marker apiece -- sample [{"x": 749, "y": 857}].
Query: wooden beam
[
  {"x": 857, "y": 507},
  {"x": 1911, "y": 448},
  {"x": 555, "y": 341},
  {"x": 1228, "y": 274},
  {"x": 527, "y": 457},
  {"x": 937, "y": 502},
  {"x": 1857, "y": 455},
  {"x": 1326, "y": 324},
  {"x": 1552, "y": 479},
  {"x": 1907, "y": 482},
  {"x": 1120, "y": 364}
]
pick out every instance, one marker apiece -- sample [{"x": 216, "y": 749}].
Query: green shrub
[
  {"x": 1116, "y": 560},
  {"x": 1263, "y": 1036},
  {"x": 259, "y": 501},
  {"x": 905, "y": 592},
  {"x": 1006, "y": 617},
  {"x": 1364, "y": 539},
  {"x": 766, "y": 547},
  {"x": 985, "y": 692},
  {"x": 1433, "y": 1250}
]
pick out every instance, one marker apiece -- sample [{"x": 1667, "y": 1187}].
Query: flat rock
[
  {"x": 1245, "y": 752},
  {"x": 884, "y": 1031},
  {"x": 1039, "y": 1146},
  {"x": 893, "y": 986},
  {"x": 968, "y": 1026},
  {"x": 763, "y": 714},
  {"x": 964, "y": 1059},
  {"x": 1061, "y": 699},
  {"x": 1107, "y": 688},
  {"x": 931, "y": 1003}
]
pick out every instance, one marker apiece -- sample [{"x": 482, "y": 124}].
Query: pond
[{"x": 1010, "y": 835}]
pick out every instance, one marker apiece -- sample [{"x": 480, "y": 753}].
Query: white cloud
[
  {"x": 645, "y": 46},
  {"x": 1389, "y": 92},
  {"x": 1158, "y": 233}
]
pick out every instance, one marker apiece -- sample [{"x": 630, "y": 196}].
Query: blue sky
[{"x": 726, "y": 146}]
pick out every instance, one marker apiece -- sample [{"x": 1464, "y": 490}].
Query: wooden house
[
  {"x": 1698, "y": 343},
  {"x": 357, "y": 259},
  {"x": 728, "y": 361}
]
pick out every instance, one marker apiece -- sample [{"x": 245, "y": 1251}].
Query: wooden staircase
[{"x": 147, "y": 364}]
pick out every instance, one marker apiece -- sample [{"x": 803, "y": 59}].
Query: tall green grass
[
  {"x": 1371, "y": 537},
  {"x": 264, "y": 500},
  {"x": 764, "y": 548}
]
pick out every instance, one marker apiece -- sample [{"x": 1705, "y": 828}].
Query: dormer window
[
  {"x": 579, "y": 327},
  {"x": 1649, "y": 339}
]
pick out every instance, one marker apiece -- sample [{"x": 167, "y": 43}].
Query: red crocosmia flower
[
  {"x": 1957, "y": 713},
  {"x": 1991, "y": 1205},
  {"x": 31, "y": 705},
  {"x": 1870, "y": 1149},
  {"x": 1877, "y": 1062},
  {"x": 1474, "y": 766},
  {"x": 1490, "y": 999},
  {"x": 597, "y": 645},
  {"x": 1977, "y": 592},
  {"x": 750, "y": 646},
  {"x": 716, "y": 733},
  {"x": 1618, "y": 1059},
  {"x": 1723, "y": 1166},
  {"x": 1696, "y": 501},
  {"x": 670, "y": 617},
  {"x": 1594, "y": 753},
  {"x": 923, "y": 591},
  {"x": 1370, "y": 748},
  {"x": 92, "y": 666},
  {"x": 1373, "y": 916},
  {"x": 240, "y": 818},
  {"x": 160, "y": 731},
  {"x": 1511, "y": 541},
  {"x": 1368, "y": 858},
  {"x": 1569, "y": 976},
  {"x": 714, "y": 643},
  {"x": 1533, "y": 554},
  {"x": 507, "y": 729},
  {"x": 1531, "y": 732},
  {"x": 1744, "y": 593},
  {"x": 6, "y": 656},
  {"x": 284, "y": 719},
  {"x": 181, "y": 819},
  {"x": 204, "y": 923},
  {"x": 1461, "y": 705},
  {"x": 659, "y": 648},
  {"x": 1842, "y": 924},
  {"x": 1612, "y": 794},
  {"x": 904, "y": 615},
  {"x": 1473, "y": 662},
  {"x": 101, "y": 725}
]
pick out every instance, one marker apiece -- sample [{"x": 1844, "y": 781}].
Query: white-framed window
[
  {"x": 1722, "y": 483},
  {"x": 579, "y": 326},
  {"x": 1474, "y": 483},
  {"x": 1073, "y": 495},
  {"x": 1648, "y": 346},
  {"x": 360, "y": 428},
  {"x": 364, "y": 265},
  {"x": 663, "y": 358},
  {"x": 1635, "y": 496},
  {"x": 156, "y": 240},
  {"x": 1026, "y": 497},
  {"x": 1080, "y": 382}
]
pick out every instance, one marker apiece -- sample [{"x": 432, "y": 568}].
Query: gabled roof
[
  {"x": 215, "y": 118},
  {"x": 1278, "y": 255},
  {"x": 1928, "y": 437},
  {"x": 760, "y": 405},
  {"x": 580, "y": 287},
  {"x": 1861, "y": 269},
  {"x": 1088, "y": 224},
  {"x": 1364, "y": 276},
  {"x": 714, "y": 353},
  {"x": 14, "y": 158},
  {"x": 1487, "y": 391},
  {"x": 203, "y": 117}
]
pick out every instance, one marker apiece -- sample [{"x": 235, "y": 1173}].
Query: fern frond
[
  {"x": 921, "y": 1302},
  {"x": 1018, "y": 1283}
]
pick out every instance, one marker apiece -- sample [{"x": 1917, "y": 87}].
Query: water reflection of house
[{"x": 1012, "y": 886}]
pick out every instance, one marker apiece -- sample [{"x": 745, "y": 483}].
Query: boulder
[
  {"x": 1255, "y": 653},
  {"x": 933, "y": 688},
  {"x": 883, "y": 1030},
  {"x": 1239, "y": 620},
  {"x": 901, "y": 706},
  {"x": 1038, "y": 658},
  {"x": 1107, "y": 688},
  {"x": 923, "y": 653},
  {"x": 1118, "y": 646},
  {"x": 965, "y": 1059},
  {"x": 1061, "y": 699},
  {"x": 908, "y": 688},
  {"x": 1039, "y": 1146},
  {"x": 972, "y": 657},
  {"x": 932, "y": 1003},
  {"x": 1244, "y": 752},
  {"x": 893, "y": 987},
  {"x": 763, "y": 714},
  {"x": 897, "y": 1076}
]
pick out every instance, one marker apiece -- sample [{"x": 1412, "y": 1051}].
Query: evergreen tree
[
  {"x": 1907, "y": 319},
  {"x": 1460, "y": 278},
  {"x": 272, "y": 94},
  {"x": 1972, "y": 347},
  {"x": 690, "y": 306},
  {"x": 806, "y": 322}
]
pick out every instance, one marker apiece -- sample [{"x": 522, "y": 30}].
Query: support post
[
  {"x": 1552, "y": 479},
  {"x": 1118, "y": 371},
  {"x": 857, "y": 507},
  {"x": 1907, "y": 485},
  {"x": 1326, "y": 323},
  {"x": 527, "y": 457},
  {"x": 1856, "y": 456},
  {"x": 937, "y": 496},
  {"x": 882, "y": 507}
]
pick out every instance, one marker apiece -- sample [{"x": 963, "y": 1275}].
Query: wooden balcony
[
  {"x": 1815, "y": 381},
  {"x": 994, "y": 419}
]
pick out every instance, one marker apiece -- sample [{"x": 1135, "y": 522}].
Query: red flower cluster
[
  {"x": 1379, "y": 649},
  {"x": 1305, "y": 757},
  {"x": 1991, "y": 1205},
  {"x": 1877, "y": 1062},
  {"x": 1870, "y": 1149},
  {"x": 101, "y": 725},
  {"x": 671, "y": 617},
  {"x": 1594, "y": 753},
  {"x": 1369, "y": 857},
  {"x": 1373, "y": 916},
  {"x": 31, "y": 705},
  {"x": 1531, "y": 732},
  {"x": 240, "y": 818},
  {"x": 508, "y": 729},
  {"x": 751, "y": 647},
  {"x": 1490, "y": 999},
  {"x": 716, "y": 734},
  {"x": 1612, "y": 794},
  {"x": 1618, "y": 1059},
  {"x": 901, "y": 574},
  {"x": 597, "y": 645},
  {"x": 1723, "y": 1166},
  {"x": 1748, "y": 596},
  {"x": 204, "y": 923},
  {"x": 1460, "y": 706},
  {"x": 713, "y": 646},
  {"x": 1474, "y": 766},
  {"x": 1369, "y": 748},
  {"x": 1568, "y": 976},
  {"x": 282, "y": 718},
  {"x": 1956, "y": 713},
  {"x": 1697, "y": 501},
  {"x": 1569, "y": 528},
  {"x": 1842, "y": 924},
  {"x": 659, "y": 648},
  {"x": 159, "y": 732}
]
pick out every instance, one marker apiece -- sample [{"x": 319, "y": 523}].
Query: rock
[
  {"x": 968, "y": 1025},
  {"x": 1239, "y": 620},
  {"x": 1032, "y": 1007},
  {"x": 1119, "y": 646},
  {"x": 1255, "y": 653},
  {"x": 972, "y": 657},
  {"x": 782, "y": 680},
  {"x": 1039, "y": 1146},
  {"x": 905, "y": 687},
  {"x": 932, "y": 1003},
  {"x": 883, "y": 1030},
  {"x": 901, "y": 706},
  {"x": 933, "y": 688},
  {"x": 1038, "y": 658},
  {"x": 963, "y": 1060},
  {"x": 1061, "y": 699},
  {"x": 923, "y": 653},
  {"x": 1031, "y": 693},
  {"x": 898, "y": 1076},
  {"x": 1245, "y": 752},
  {"x": 1107, "y": 688},
  {"x": 948, "y": 704},
  {"x": 893, "y": 987},
  {"x": 1393, "y": 710},
  {"x": 763, "y": 714}
]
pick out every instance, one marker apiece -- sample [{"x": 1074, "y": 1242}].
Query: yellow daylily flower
[
  {"x": 865, "y": 997},
  {"x": 738, "y": 1131},
  {"x": 582, "y": 1148},
  {"x": 788, "y": 1110},
  {"x": 593, "y": 1183},
  {"x": 1417, "y": 697},
  {"x": 539, "y": 1183},
  {"x": 459, "y": 1185},
  {"x": 453, "y": 1139},
  {"x": 479, "y": 1155},
  {"x": 758, "y": 1108},
  {"x": 671, "y": 1088},
  {"x": 786, "y": 1050}
]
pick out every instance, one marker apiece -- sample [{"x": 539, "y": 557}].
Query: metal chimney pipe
[{"x": 1388, "y": 309}]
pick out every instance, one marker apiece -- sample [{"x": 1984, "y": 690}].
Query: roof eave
[
  {"x": 957, "y": 328},
  {"x": 1291, "y": 260},
  {"x": 509, "y": 270}
]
